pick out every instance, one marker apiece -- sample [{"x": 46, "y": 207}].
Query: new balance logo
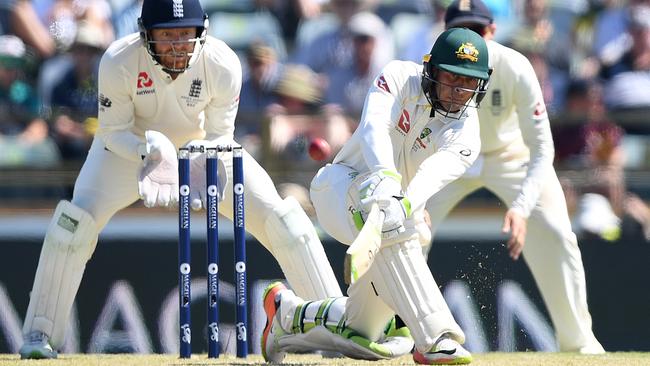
[{"x": 104, "y": 101}]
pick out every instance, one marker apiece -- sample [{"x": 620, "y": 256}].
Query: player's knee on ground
[
  {"x": 69, "y": 242},
  {"x": 297, "y": 248}
]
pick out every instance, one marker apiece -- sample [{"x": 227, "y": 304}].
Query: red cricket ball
[{"x": 319, "y": 149}]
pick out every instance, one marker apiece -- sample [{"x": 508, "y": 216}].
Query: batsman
[
  {"x": 418, "y": 132},
  {"x": 162, "y": 88}
]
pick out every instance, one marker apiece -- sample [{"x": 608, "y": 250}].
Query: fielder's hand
[
  {"x": 384, "y": 189},
  {"x": 197, "y": 176},
  {"x": 158, "y": 179},
  {"x": 515, "y": 224}
]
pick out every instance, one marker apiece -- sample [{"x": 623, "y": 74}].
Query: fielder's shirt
[{"x": 513, "y": 117}]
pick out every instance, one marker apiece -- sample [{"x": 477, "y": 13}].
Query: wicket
[{"x": 241, "y": 322}]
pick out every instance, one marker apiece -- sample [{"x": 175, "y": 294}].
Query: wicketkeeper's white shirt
[{"x": 136, "y": 95}]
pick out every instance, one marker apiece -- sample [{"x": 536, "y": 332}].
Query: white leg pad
[
  {"x": 297, "y": 248},
  {"x": 402, "y": 279},
  {"x": 69, "y": 242}
]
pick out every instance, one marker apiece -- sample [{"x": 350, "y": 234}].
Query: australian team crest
[{"x": 467, "y": 51}]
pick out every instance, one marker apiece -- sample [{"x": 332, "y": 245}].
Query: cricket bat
[{"x": 361, "y": 252}]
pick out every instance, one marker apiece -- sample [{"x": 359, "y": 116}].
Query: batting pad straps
[{"x": 320, "y": 325}]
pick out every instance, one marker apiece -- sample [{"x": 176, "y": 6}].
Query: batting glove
[
  {"x": 158, "y": 178},
  {"x": 384, "y": 188}
]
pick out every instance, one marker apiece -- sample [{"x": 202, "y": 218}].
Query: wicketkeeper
[
  {"x": 418, "y": 132},
  {"x": 165, "y": 87}
]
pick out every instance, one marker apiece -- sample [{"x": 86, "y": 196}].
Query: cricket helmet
[
  {"x": 459, "y": 51},
  {"x": 158, "y": 14}
]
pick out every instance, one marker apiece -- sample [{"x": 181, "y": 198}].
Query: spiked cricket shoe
[
  {"x": 272, "y": 329},
  {"x": 37, "y": 346},
  {"x": 446, "y": 351}
]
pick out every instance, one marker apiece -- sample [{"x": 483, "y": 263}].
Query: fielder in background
[
  {"x": 418, "y": 132},
  {"x": 516, "y": 164},
  {"x": 165, "y": 87}
]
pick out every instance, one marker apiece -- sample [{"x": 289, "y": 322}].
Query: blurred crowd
[{"x": 308, "y": 64}]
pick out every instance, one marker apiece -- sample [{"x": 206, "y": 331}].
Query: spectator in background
[
  {"x": 18, "y": 17},
  {"x": 536, "y": 29},
  {"x": 335, "y": 48},
  {"x": 23, "y": 133},
  {"x": 584, "y": 105},
  {"x": 290, "y": 13},
  {"x": 347, "y": 85},
  {"x": 605, "y": 208},
  {"x": 257, "y": 93},
  {"x": 125, "y": 21},
  {"x": 537, "y": 35},
  {"x": 63, "y": 16},
  {"x": 592, "y": 144},
  {"x": 633, "y": 68},
  {"x": 423, "y": 38},
  {"x": 74, "y": 96},
  {"x": 610, "y": 29},
  {"x": 298, "y": 117},
  {"x": 583, "y": 63}
]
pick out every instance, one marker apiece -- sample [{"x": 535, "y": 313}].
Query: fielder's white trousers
[{"x": 551, "y": 250}]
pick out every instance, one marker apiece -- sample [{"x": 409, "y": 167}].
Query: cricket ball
[{"x": 319, "y": 149}]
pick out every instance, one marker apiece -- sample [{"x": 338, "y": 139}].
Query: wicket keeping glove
[
  {"x": 198, "y": 178},
  {"x": 384, "y": 188},
  {"x": 158, "y": 178}
]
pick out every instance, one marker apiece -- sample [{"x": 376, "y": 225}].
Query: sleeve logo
[
  {"x": 404, "y": 123},
  {"x": 382, "y": 84},
  {"x": 540, "y": 109}
]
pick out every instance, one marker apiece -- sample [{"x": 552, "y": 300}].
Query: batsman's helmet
[
  {"x": 459, "y": 51},
  {"x": 173, "y": 14}
]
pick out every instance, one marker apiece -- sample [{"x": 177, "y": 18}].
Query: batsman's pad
[
  {"x": 297, "y": 248},
  {"x": 320, "y": 325},
  {"x": 69, "y": 242},
  {"x": 401, "y": 278}
]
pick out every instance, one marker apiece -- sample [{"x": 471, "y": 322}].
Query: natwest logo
[{"x": 144, "y": 81}]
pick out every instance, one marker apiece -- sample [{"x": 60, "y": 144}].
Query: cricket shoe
[
  {"x": 398, "y": 337},
  {"x": 272, "y": 330},
  {"x": 36, "y": 346},
  {"x": 446, "y": 351}
]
